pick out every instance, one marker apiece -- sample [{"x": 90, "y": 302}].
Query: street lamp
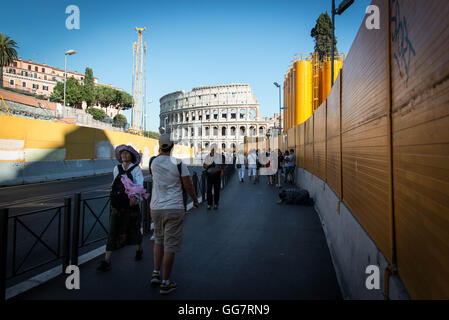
[
  {"x": 69, "y": 52},
  {"x": 345, "y": 4},
  {"x": 280, "y": 115}
]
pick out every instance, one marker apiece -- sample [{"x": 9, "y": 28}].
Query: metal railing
[
  {"x": 74, "y": 232},
  {"x": 61, "y": 252}
]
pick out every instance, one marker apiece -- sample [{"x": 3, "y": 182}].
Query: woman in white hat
[{"x": 124, "y": 219}]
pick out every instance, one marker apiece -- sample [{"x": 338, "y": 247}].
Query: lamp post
[
  {"x": 345, "y": 4},
  {"x": 69, "y": 52},
  {"x": 280, "y": 114}
]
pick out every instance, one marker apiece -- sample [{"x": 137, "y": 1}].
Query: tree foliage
[
  {"x": 98, "y": 114},
  {"x": 74, "y": 93},
  {"x": 119, "y": 120},
  {"x": 151, "y": 134},
  {"x": 7, "y": 53},
  {"x": 89, "y": 87},
  {"x": 322, "y": 33}
]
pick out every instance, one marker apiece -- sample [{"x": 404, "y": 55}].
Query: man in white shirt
[
  {"x": 170, "y": 175},
  {"x": 252, "y": 165}
]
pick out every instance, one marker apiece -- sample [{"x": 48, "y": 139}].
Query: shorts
[
  {"x": 290, "y": 170},
  {"x": 253, "y": 171},
  {"x": 168, "y": 228}
]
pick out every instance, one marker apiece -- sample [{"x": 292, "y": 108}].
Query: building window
[
  {"x": 35, "y": 86},
  {"x": 15, "y": 64},
  {"x": 43, "y": 70},
  {"x": 11, "y": 82},
  {"x": 35, "y": 76},
  {"x": 45, "y": 88},
  {"x": 24, "y": 84},
  {"x": 24, "y": 73},
  {"x": 54, "y": 78},
  {"x": 36, "y": 69},
  {"x": 29, "y": 67},
  {"x": 45, "y": 77},
  {"x": 215, "y": 95}
]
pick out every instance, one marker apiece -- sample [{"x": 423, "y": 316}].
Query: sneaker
[
  {"x": 216, "y": 207},
  {"x": 167, "y": 288},
  {"x": 104, "y": 266},
  {"x": 156, "y": 278},
  {"x": 139, "y": 254}
]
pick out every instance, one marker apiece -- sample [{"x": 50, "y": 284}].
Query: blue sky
[{"x": 190, "y": 43}]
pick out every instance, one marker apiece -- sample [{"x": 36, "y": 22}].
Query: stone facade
[{"x": 222, "y": 114}]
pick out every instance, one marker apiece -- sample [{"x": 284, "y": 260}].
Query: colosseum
[{"x": 222, "y": 114}]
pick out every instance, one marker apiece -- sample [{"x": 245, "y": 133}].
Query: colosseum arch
[
  {"x": 223, "y": 131},
  {"x": 233, "y": 114},
  {"x": 207, "y": 115},
  {"x": 252, "y": 131},
  {"x": 207, "y": 131},
  {"x": 261, "y": 131},
  {"x": 252, "y": 114},
  {"x": 242, "y": 114},
  {"x": 242, "y": 130},
  {"x": 233, "y": 131},
  {"x": 215, "y": 131},
  {"x": 224, "y": 114},
  {"x": 215, "y": 114}
]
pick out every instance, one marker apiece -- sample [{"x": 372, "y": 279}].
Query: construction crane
[{"x": 138, "y": 115}]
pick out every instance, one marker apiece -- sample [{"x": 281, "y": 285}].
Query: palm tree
[{"x": 7, "y": 53}]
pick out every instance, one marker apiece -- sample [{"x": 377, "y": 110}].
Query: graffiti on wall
[{"x": 403, "y": 50}]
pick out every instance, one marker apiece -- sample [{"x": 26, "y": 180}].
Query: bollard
[
  {"x": 76, "y": 227},
  {"x": 66, "y": 234},
  {"x": 4, "y": 215}
]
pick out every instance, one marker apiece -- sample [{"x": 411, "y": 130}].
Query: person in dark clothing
[{"x": 214, "y": 165}]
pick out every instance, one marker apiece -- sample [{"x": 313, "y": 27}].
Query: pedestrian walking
[
  {"x": 280, "y": 168},
  {"x": 291, "y": 164},
  {"x": 214, "y": 165},
  {"x": 252, "y": 166},
  {"x": 125, "y": 218},
  {"x": 170, "y": 177},
  {"x": 240, "y": 165}
]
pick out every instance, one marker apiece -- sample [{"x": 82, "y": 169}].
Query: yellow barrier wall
[
  {"x": 319, "y": 141},
  {"x": 28, "y": 140}
]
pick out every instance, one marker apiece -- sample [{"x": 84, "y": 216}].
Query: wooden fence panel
[
  {"x": 308, "y": 144},
  {"x": 420, "y": 106},
  {"x": 333, "y": 145},
  {"x": 319, "y": 141},
  {"x": 365, "y": 127}
]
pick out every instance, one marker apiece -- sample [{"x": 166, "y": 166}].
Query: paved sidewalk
[{"x": 251, "y": 248}]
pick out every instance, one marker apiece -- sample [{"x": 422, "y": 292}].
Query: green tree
[
  {"x": 7, "y": 53},
  {"x": 151, "y": 134},
  {"x": 89, "y": 87},
  {"x": 98, "y": 114},
  {"x": 119, "y": 120},
  {"x": 73, "y": 93},
  {"x": 322, "y": 33}
]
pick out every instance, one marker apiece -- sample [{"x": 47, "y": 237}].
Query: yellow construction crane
[{"x": 139, "y": 83}]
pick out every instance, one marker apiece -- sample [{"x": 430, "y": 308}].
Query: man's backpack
[{"x": 119, "y": 198}]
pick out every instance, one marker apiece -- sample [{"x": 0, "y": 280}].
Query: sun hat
[
  {"x": 165, "y": 142},
  {"x": 130, "y": 149}
]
